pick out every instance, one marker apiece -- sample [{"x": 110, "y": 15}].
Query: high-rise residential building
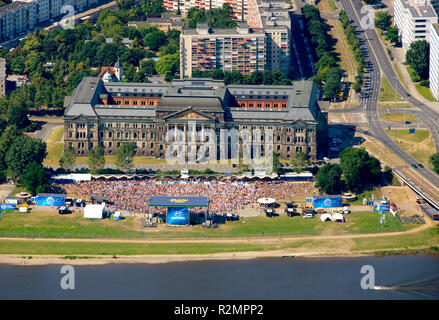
[
  {"x": 264, "y": 43},
  {"x": 434, "y": 60},
  {"x": 204, "y": 49},
  {"x": 414, "y": 18},
  {"x": 274, "y": 18}
]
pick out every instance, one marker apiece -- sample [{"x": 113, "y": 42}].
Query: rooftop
[
  {"x": 419, "y": 8},
  {"x": 200, "y": 94}
]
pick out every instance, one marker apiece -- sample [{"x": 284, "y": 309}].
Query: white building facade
[
  {"x": 434, "y": 60},
  {"x": 414, "y": 18}
]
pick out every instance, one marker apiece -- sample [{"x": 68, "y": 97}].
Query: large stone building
[{"x": 109, "y": 114}]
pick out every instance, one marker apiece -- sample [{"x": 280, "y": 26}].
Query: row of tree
[
  {"x": 329, "y": 72},
  {"x": 96, "y": 159},
  {"x": 383, "y": 21},
  {"x": 215, "y": 18},
  {"x": 266, "y": 77},
  {"x": 355, "y": 46}
]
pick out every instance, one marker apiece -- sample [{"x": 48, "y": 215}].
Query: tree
[
  {"x": 168, "y": 65},
  {"x": 34, "y": 178},
  {"x": 382, "y": 20},
  {"x": 6, "y": 140},
  {"x": 68, "y": 158},
  {"x": 328, "y": 179},
  {"x": 124, "y": 156},
  {"x": 154, "y": 40},
  {"x": 434, "y": 160},
  {"x": 276, "y": 162},
  {"x": 393, "y": 35},
  {"x": 300, "y": 159},
  {"x": 360, "y": 170},
  {"x": 332, "y": 83},
  {"x": 17, "y": 114},
  {"x": 22, "y": 152},
  {"x": 418, "y": 57},
  {"x": 96, "y": 160}
]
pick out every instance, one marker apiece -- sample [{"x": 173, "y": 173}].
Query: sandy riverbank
[
  {"x": 155, "y": 259},
  {"x": 83, "y": 260}
]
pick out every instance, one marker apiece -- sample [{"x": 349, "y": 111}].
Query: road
[
  {"x": 374, "y": 52},
  {"x": 301, "y": 58}
]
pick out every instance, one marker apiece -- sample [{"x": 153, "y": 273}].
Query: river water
[{"x": 411, "y": 277}]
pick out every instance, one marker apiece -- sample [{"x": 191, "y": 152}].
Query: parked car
[
  {"x": 231, "y": 216},
  {"x": 308, "y": 215}
]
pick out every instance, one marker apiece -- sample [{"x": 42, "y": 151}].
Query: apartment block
[
  {"x": 414, "y": 18},
  {"x": 21, "y": 16},
  {"x": 205, "y": 49},
  {"x": 263, "y": 43}
]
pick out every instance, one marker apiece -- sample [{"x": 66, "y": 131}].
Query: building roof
[
  {"x": 422, "y": 10},
  {"x": 14, "y": 6},
  {"x": 203, "y": 95}
]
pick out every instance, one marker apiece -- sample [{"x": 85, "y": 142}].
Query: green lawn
[
  {"x": 413, "y": 75},
  {"x": 387, "y": 93},
  {"x": 50, "y": 224},
  {"x": 55, "y": 147},
  {"x": 54, "y": 152},
  {"x": 402, "y": 242},
  {"x": 398, "y": 117},
  {"x": 425, "y": 92},
  {"x": 332, "y": 5},
  {"x": 56, "y": 135},
  {"x": 418, "y": 144},
  {"x": 93, "y": 248}
]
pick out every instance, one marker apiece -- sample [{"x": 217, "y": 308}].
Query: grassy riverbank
[{"x": 48, "y": 224}]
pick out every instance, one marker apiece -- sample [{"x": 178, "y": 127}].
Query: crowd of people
[{"x": 132, "y": 196}]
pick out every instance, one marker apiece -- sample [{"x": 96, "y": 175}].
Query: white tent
[
  {"x": 338, "y": 217},
  {"x": 266, "y": 200},
  {"x": 325, "y": 217},
  {"x": 94, "y": 211}
]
